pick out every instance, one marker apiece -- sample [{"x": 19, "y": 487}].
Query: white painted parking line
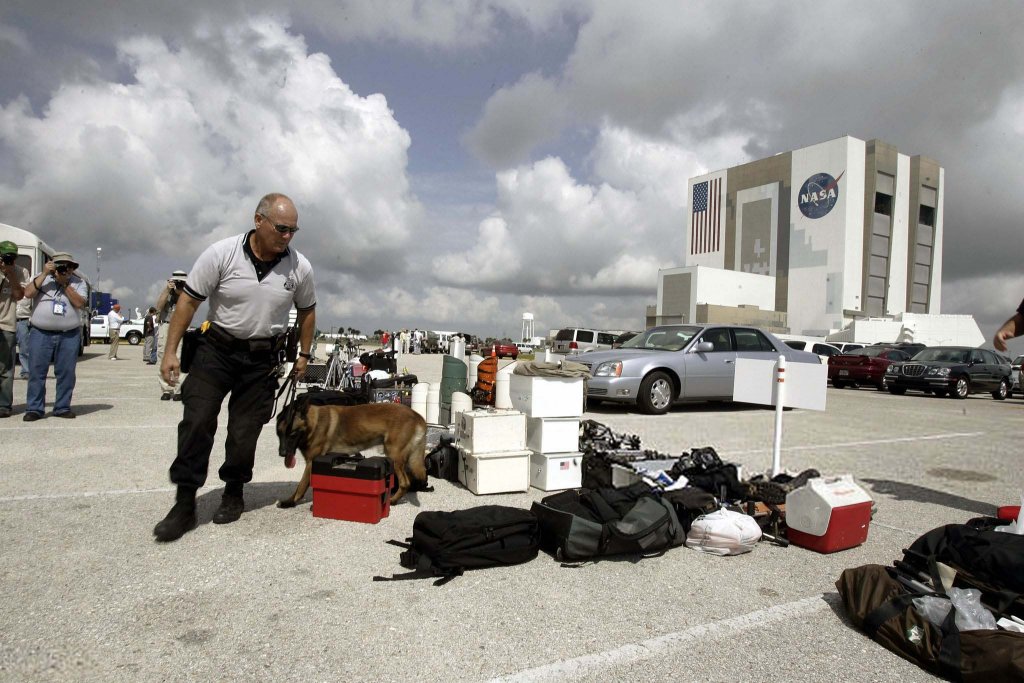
[
  {"x": 908, "y": 532},
  {"x": 89, "y": 494},
  {"x": 588, "y": 666},
  {"x": 874, "y": 442},
  {"x": 64, "y": 426}
]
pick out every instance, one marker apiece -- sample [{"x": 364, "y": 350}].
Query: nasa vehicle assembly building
[{"x": 810, "y": 240}]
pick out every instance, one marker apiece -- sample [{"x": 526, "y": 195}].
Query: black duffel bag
[{"x": 583, "y": 524}]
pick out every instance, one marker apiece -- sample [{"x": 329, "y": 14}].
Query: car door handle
[{"x": 731, "y": 361}]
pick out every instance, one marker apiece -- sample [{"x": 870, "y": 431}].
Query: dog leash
[{"x": 289, "y": 387}]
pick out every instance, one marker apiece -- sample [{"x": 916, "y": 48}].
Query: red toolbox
[
  {"x": 828, "y": 514},
  {"x": 352, "y": 488}
]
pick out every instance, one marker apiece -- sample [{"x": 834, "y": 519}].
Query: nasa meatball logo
[{"x": 818, "y": 195}]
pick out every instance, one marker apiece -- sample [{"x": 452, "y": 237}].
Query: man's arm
[
  {"x": 165, "y": 294},
  {"x": 12, "y": 275},
  {"x": 1014, "y": 327},
  {"x": 306, "y": 322},
  {"x": 182, "y": 318}
]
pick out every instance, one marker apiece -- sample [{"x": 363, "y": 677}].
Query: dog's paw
[{"x": 286, "y": 503}]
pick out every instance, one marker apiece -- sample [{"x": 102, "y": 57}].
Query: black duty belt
[{"x": 260, "y": 345}]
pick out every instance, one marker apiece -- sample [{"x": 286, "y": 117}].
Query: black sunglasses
[{"x": 282, "y": 229}]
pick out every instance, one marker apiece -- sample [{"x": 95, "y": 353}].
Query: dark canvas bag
[
  {"x": 881, "y": 606},
  {"x": 443, "y": 460},
  {"x": 445, "y": 544},
  {"x": 581, "y": 524},
  {"x": 975, "y": 549}
]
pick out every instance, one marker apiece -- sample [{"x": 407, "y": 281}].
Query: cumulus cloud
[
  {"x": 554, "y": 234},
  {"x": 516, "y": 119},
  {"x": 180, "y": 153}
]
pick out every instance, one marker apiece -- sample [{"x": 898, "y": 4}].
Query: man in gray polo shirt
[{"x": 251, "y": 281}]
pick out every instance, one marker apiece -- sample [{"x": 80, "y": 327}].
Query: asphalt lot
[{"x": 281, "y": 595}]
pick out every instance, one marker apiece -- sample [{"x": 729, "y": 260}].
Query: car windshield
[
  {"x": 870, "y": 352},
  {"x": 669, "y": 338},
  {"x": 1017, "y": 360},
  {"x": 943, "y": 355}
]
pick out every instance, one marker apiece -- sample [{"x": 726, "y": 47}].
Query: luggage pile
[
  {"x": 952, "y": 604},
  {"x": 627, "y": 500}
]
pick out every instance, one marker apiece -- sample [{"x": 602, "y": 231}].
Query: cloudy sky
[{"x": 458, "y": 162}]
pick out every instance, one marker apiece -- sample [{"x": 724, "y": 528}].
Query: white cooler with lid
[{"x": 547, "y": 396}]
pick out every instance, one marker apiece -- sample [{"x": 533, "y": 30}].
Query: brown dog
[{"x": 318, "y": 429}]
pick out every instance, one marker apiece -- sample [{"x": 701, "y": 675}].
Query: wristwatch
[{"x": 307, "y": 356}]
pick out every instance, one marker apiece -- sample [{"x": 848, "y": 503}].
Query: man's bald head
[{"x": 275, "y": 202}]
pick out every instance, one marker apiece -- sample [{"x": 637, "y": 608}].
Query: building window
[
  {"x": 926, "y": 215},
  {"x": 922, "y": 275},
  {"x": 883, "y": 203}
]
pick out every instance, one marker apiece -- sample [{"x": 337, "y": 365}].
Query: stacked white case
[
  {"x": 492, "y": 451},
  {"x": 553, "y": 407}
]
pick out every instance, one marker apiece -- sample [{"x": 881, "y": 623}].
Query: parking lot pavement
[{"x": 281, "y": 595}]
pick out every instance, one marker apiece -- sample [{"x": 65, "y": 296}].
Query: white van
[{"x": 582, "y": 340}]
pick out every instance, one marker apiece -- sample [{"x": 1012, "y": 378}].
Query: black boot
[
  {"x": 231, "y": 505},
  {"x": 181, "y": 518}
]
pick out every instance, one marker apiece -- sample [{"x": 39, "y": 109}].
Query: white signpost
[{"x": 776, "y": 383}]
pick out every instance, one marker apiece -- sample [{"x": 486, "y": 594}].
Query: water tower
[{"x": 527, "y": 327}]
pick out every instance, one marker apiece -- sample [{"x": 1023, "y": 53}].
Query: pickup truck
[{"x": 130, "y": 331}]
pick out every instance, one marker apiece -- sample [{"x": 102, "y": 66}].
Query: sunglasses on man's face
[{"x": 282, "y": 229}]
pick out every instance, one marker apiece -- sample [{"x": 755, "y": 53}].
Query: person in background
[
  {"x": 164, "y": 309},
  {"x": 12, "y": 290},
  {"x": 114, "y": 320},
  {"x": 23, "y": 312},
  {"x": 1014, "y": 327},
  {"x": 149, "y": 324},
  {"x": 57, "y": 294}
]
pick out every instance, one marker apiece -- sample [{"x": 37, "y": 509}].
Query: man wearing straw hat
[{"x": 58, "y": 295}]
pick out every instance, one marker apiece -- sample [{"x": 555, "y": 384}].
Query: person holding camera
[
  {"x": 165, "y": 305},
  {"x": 251, "y": 282},
  {"x": 12, "y": 279},
  {"x": 57, "y": 294}
]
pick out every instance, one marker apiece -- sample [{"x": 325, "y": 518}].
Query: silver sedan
[{"x": 675, "y": 363}]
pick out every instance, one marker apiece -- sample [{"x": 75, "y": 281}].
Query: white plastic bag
[
  {"x": 724, "y": 532},
  {"x": 971, "y": 615}
]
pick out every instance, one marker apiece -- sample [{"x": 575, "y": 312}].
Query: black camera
[
  {"x": 8, "y": 259},
  {"x": 62, "y": 269}
]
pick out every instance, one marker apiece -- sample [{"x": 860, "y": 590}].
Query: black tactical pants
[{"x": 217, "y": 371}]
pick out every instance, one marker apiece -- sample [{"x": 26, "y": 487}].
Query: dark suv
[{"x": 956, "y": 371}]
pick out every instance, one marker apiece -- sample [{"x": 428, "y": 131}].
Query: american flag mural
[{"x": 704, "y": 228}]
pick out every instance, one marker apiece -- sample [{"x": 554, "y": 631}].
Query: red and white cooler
[{"x": 828, "y": 514}]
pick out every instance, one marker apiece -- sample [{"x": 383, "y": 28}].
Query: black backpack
[
  {"x": 581, "y": 524},
  {"x": 445, "y": 544}
]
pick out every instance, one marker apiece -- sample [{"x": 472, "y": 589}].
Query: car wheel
[
  {"x": 941, "y": 393},
  {"x": 656, "y": 393},
  {"x": 133, "y": 338},
  {"x": 898, "y": 391},
  {"x": 838, "y": 385},
  {"x": 962, "y": 388},
  {"x": 1002, "y": 392}
]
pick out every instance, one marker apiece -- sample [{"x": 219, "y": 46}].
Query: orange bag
[{"x": 486, "y": 373}]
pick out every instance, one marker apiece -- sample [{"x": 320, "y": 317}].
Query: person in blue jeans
[
  {"x": 24, "y": 312},
  {"x": 58, "y": 297}
]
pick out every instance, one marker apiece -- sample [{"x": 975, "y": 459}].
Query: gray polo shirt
[
  {"x": 241, "y": 302},
  {"x": 51, "y": 309},
  {"x": 8, "y": 306}
]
